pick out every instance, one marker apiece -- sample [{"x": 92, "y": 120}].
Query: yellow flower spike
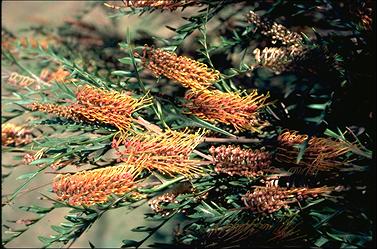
[
  {"x": 93, "y": 186},
  {"x": 167, "y": 152},
  {"x": 98, "y": 105},
  {"x": 228, "y": 108},
  {"x": 321, "y": 154},
  {"x": 189, "y": 73}
]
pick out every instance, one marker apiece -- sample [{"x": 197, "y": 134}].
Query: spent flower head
[
  {"x": 321, "y": 154},
  {"x": 271, "y": 199},
  {"x": 276, "y": 31},
  {"x": 234, "y": 160}
]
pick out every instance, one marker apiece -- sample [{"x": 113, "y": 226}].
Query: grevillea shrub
[{"x": 247, "y": 124}]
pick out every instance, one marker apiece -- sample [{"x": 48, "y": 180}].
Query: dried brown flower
[
  {"x": 234, "y": 160},
  {"x": 228, "y": 108},
  {"x": 93, "y": 186},
  {"x": 15, "y": 135},
  {"x": 276, "y": 31},
  {"x": 30, "y": 157},
  {"x": 321, "y": 154},
  {"x": 189, "y": 73},
  {"x": 157, "y": 203},
  {"x": 272, "y": 199},
  {"x": 97, "y": 105},
  {"x": 236, "y": 235}
]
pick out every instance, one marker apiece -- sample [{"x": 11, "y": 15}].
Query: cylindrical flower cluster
[
  {"x": 15, "y": 135},
  {"x": 187, "y": 72},
  {"x": 93, "y": 186},
  {"x": 234, "y": 160},
  {"x": 272, "y": 199},
  {"x": 228, "y": 108},
  {"x": 321, "y": 154},
  {"x": 97, "y": 105}
]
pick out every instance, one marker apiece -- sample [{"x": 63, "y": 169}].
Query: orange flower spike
[
  {"x": 62, "y": 111},
  {"x": 166, "y": 143},
  {"x": 228, "y": 108},
  {"x": 189, "y": 73},
  {"x": 167, "y": 152},
  {"x": 93, "y": 186},
  {"x": 98, "y": 105}
]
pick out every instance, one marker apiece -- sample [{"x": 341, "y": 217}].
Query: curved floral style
[
  {"x": 187, "y": 72},
  {"x": 228, "y": 108},
  {"x": 97, "y": 105},
  {"x": 168, "y": 152},
  {"x": 91, "y": 187}
]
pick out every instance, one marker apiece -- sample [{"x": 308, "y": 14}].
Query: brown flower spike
[
  {"x": 234, "y": 160},
  {"x": 189, "y": 73},
  {"x": 228, "y": 108},
  {"x": 321, "y": 154},
  {"x": 97, "y": 105},
  {"x": 272, "y": 199},
  {"x": 15, "y": 135},
  {"x": 93, "y": 186},
  {"x": 167, "y": 152}
]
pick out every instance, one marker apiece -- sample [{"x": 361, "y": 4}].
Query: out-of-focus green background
[{"x": 114, "y": 226}]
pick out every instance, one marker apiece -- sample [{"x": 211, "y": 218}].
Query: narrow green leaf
[{"x": 129, "y": 243}]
